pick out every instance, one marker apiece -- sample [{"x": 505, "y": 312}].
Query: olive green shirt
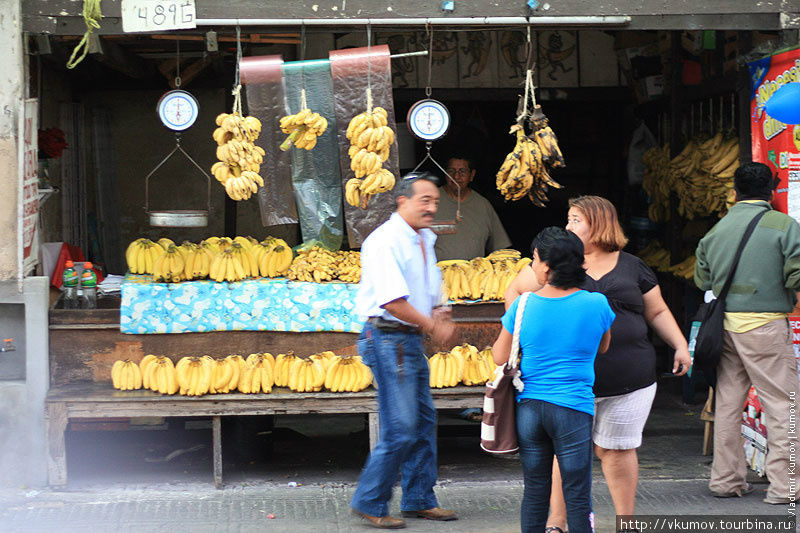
[{"x": 479, "y": 233}]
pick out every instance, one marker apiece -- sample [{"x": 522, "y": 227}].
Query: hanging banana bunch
[
  {"x": 239, "y": 158},
  {"x": 371, "y": 140},
  {"x": 303, "y": 129},
  {"x": 524, "y": 171}
]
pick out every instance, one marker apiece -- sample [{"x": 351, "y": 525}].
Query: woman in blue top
[{"x": 563, "y": 328}]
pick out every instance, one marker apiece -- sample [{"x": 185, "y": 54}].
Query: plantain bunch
[
  {"x": 524, "y": 170},
  {"x": 303, "y": 129},
  {"x": 701, "y": 176},
  {"x": 371, "y": 140},
  {"x": 239, "y": 158},
  {"x": 315, "y": 264}
]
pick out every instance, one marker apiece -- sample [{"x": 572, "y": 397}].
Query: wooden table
[{"x": 99, "y": 400}]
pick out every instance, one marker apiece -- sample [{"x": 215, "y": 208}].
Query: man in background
[
  {"x": 479, "y": 232},
  {"x": 757, "y": 340}
]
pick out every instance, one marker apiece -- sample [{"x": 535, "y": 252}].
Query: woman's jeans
[
  {"x": 543, "y": 429},
  {"x": 407, "y": 443}
]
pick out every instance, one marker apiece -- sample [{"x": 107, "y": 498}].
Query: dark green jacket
[{"x": 769, "y": 270}]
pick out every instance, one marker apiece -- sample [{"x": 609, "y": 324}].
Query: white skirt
[{"x": 619, "y": 420}]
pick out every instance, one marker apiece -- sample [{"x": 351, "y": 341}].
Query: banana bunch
[
  {"x": 371, "y": 140},
  {"x": 217, "y": 244},
  {"x": 225, "y": 375},
  {"x": 315, "y": 264},
  {"x": 546, "y": 138},
  {"x": 324, "y": 358},
  {"x": 258, "y": 374},
  {"x": 194, "y": 375},
  {"x": 306, "y": 375},
  {"x": 655, "y": 256},
  {"x": 348, "y": 266},
  {"x": 227, "y": 266},
  {"x": 126, "y": 375},
  {"x": 283, "y": 363},
  {"x": 165, "y": 243},
  {"x": 347, "y": 374},
  {"x": 446, "y": 369},
  {"x": 197, "y": 261},
  {"x": 701, "y": 176},
  {"x": 239, "y": 158},
  {"x": 481, "y": 278},
  {"x": 524, "y": 170},
  {"x": 169, "y": 267},
  {"x": 478, "y": 366},
  {"x": 503, "y": 254},
  {"x": 303, "y": 129},
  {"x": 684, "y": 269},
  {"x": 158, "y": 374},
  {"x": 276, "y": 262},
  {"x": 242, "y": 253},
  {"x": 141, "y": 254}
]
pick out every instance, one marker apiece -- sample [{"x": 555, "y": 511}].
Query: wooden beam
[{"x": 116, "y": 57}]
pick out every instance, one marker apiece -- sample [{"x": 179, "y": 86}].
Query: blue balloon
[{"x": 784, "y": 104}]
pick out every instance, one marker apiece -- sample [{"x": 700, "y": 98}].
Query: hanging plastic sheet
[
  {"x": 315, "y": 173},
  {"x": 263, "y": 77},
  {"x": 349, "y": 69}
]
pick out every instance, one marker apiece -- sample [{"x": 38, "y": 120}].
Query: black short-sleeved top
[{"x": 630, "y": 362}]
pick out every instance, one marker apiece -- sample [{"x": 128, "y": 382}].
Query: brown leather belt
[{"x": 390, "y": 326}]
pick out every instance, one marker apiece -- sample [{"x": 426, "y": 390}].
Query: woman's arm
[
  {"x": 605, "y": 342},
  {"x": 524, "y": 282},
  {"x": 502, "y": 347},
  {"x": 659, "y": 317}
]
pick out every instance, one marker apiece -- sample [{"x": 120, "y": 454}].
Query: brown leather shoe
[
  {"x": 382, "y": 522},
  {"x": 437, "y": 513}
]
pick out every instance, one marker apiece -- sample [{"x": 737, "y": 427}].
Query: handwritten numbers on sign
[{"x": 158, "y": 15}]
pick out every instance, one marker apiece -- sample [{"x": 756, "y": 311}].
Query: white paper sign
[
  {"x": 158, "y": 15},
  {"x": 29, "y": 216}
]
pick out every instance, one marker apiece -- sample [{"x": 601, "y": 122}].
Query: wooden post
[
  {"x": 56, "y": 424},
  {"x": 216, "y": 439},
  {"x": 374, "y": 429}
]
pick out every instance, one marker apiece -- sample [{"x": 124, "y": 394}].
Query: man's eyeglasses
[{"x": 458, "y": 171}]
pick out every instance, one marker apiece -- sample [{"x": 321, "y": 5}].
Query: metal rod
[
  {"x": 588, "y": 20},
  {"x": 409, "y": 54}
]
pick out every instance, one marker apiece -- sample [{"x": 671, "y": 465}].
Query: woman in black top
[{"x": 625, "y": 376}]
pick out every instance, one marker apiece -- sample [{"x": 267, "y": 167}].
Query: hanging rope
[
  {"x": 530, "y": 89},
  {"x": 303, "y": 103},
  {"x": 177, "y": 63},
  {"x": 91, "y": 17},
  {"x": 237, "y": 82},
  {"x": 369, "y": 69}
]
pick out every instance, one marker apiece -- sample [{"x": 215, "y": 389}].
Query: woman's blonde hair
[{"x": 604, "y": 228}]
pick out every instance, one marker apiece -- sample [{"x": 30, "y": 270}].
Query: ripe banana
[{"x": 126, "y": 375}]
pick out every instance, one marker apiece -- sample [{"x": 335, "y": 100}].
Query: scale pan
[{"x": 179, "y": 219}]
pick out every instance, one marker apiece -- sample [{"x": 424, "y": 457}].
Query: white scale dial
[
  {"x": 428, "y": 120},
  {"x": 178, "y": 110}
]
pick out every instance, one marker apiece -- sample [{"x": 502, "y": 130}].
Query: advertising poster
[
  {"x": 29, "y": 216},
  {"x": 774, "y": 143}
]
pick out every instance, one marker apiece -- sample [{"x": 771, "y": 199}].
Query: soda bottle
[
  {"x": 69, "y": 286},
  {"x": 89, "y": 286}
]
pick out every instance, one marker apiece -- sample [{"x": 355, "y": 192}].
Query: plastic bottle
[
  {"x": 70, "y": 286},
  {"x": 89, "y": 287}
]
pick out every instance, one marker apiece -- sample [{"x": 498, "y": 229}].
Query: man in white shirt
[
  {"x": 479, "y": 232},
  {"x": 400, "y": 287}
]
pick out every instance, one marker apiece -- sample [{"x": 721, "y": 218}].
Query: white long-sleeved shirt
[{"x": 392, "y": 267}]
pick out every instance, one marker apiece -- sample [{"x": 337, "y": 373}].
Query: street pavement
[{"x": 160, "y": 481}]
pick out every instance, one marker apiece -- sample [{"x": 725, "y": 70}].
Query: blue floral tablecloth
[{"x": 250, "y": 305}]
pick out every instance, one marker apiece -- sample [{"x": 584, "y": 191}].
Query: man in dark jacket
[{"x": 757, "y": 338}]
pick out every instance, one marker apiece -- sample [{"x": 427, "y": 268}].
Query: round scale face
[
  {"x": 428, "y": 120},
  {"x": 178, "y": 110}
]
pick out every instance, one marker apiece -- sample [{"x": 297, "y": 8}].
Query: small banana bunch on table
[
  {"x": 371, "y": 140},
  {"x": 303, "y": 129},
  {"x": 239, "y": 158}
]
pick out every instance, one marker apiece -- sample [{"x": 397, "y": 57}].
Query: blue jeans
[
  {"x": 543, "y": 429},
  {"x": 407, "y": 442}
]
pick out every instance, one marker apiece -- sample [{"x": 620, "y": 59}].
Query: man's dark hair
[
  {"x": 753, "y": 181},
  {"x": 405, "y": 187},
  {"x": 562, "y": 250},
  {"x": 464, "y": 157}
]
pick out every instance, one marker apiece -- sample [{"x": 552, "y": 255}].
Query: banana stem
[{"x": 285, "y": 145}]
